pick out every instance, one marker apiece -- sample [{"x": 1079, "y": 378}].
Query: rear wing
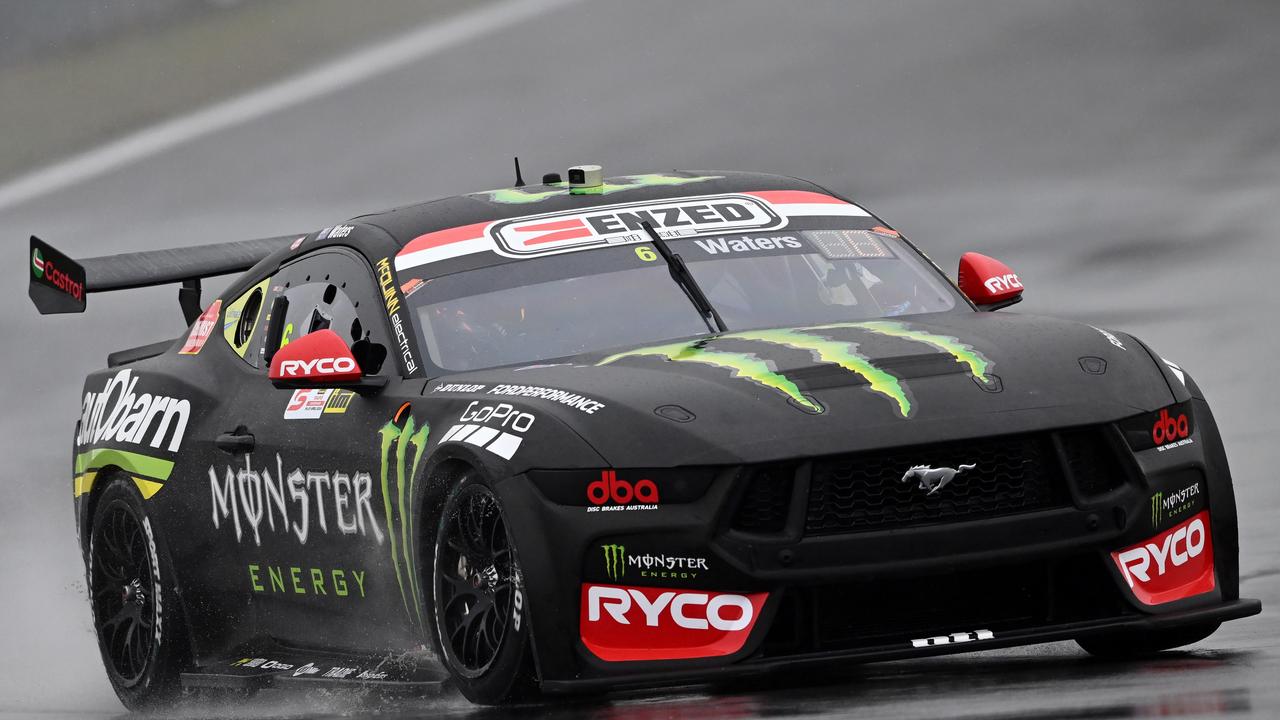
[{"x": 59, "y": 284}]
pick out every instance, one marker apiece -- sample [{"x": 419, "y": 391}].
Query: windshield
[{"x": 590, "y": 301}]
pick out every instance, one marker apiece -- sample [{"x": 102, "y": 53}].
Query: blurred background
[{"x": 1123, "y": 158}]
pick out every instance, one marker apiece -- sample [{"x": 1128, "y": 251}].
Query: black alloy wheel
[
  {"x": 132, "y": 595},
  {"x": 477, "y": 580},
  {"x": 480, "y": 621},
  {"x": 124, "y": 592}
]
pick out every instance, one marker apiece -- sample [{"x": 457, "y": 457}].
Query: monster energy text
[
  {"x": 667, "y": 567},
  {"x": 1168, "y": 506}
]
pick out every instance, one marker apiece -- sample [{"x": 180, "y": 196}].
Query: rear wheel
[
  {"x": 480, "y": 624},
  {"x": 134, "y": 611},
  {"x": 1138, "y": 643}
]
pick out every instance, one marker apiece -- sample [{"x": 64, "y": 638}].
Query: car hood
[{"x": 775, "y": 394}]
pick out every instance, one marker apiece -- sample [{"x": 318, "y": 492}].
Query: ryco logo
[
  {"x": 1002, "y": 283},
  {"x": 621, "y": 493},
  {"x": 1168, "y": 429},
  {"x": 630, "y": 623},
  {"x": 1175, "y": 564},
  {"x": 318, "y": 366}
]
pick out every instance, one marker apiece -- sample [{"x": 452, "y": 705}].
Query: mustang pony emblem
[{"x": 933, "y": 479}]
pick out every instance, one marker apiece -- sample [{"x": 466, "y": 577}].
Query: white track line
[{"x": 330, "y": 77}]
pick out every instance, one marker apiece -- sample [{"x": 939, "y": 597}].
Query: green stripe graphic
[{"x": 130, "y": 462}]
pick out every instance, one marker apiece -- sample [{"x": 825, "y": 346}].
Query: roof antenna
[{"x": 519, "y": 179}]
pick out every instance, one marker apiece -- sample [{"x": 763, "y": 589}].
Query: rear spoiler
[{"x": 62, "y": 285}]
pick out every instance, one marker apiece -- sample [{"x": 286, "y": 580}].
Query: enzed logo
[
  {"x": 615, "y": 561},
  {"x": 37, "y": 263},
  {"x": 620, "y": 224},
  {"x": 397, "y": 502},
  {"x": 821, "y": 348}
]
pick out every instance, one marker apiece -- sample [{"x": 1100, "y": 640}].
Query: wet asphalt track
[{"x": 1124, "y": 159}]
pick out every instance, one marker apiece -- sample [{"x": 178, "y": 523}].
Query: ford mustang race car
[{"x": 606, "y": 433}]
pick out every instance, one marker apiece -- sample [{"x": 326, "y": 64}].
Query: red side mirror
[
  {"x": 989, "y": 283},
  {"x": 316, "y": 358}
]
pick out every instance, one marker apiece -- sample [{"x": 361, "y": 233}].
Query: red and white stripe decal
[{"x": 469, "y": 239}]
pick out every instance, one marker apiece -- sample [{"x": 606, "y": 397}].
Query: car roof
[{"x": 410, "y": 221}]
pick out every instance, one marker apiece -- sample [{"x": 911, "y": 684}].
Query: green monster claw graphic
[
  {"x": 615, "y": 561},
  {"x": 743, "y": 365},
  {"x": 396, "y": 439},
  {"x": 837, "y": 352},
  {"x": 516, "y": 196},
  {"x": 823, "y": 349},
  {"x": 964, "y": 354}
]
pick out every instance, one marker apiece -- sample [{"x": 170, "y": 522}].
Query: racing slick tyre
[
  {"x": 1140, "y": 643},
  {"x": 133, "y": 597},
  {"x": 479, "y": 621}
]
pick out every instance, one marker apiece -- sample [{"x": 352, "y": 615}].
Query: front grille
[
  {"x": 893, "y": 611},
  {"x": 1091, "y": 460},
  {"x": 866, "y": 491},
  {"x": 764, "y": 504}
]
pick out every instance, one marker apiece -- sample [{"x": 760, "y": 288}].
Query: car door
[{"x": 314, "y": 537}]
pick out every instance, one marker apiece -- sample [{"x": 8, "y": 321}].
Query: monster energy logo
[
  {"x": 1164, "y": 507},
  {"x": 397, "y": 500},
  {"x": 842, "y": 353},
  {"x": 615, "y": 561}
]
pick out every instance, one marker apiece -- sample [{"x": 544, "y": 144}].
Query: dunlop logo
[
  {"x": 615, "y": 561},
  {"x": 397, "y": 501}
]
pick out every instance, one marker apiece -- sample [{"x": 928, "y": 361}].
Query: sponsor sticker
[
  {"x": 619, "y": 565},
  {"x": 1171, "y": 431},
  {"x": 260, "y": 504},
  {"x": 622, "y": 224},
  {"x": 476, "y": 426},
  {"x": 296, "y": 580},
  {"x": 611, "y": 494},
  {"x": 311, "y": 403},
  {"x": 120, "y": 414},
  {"x": 201, "y": 329},
  {"x": 1166, "y": 506},
  {"x": 621, "y": 623},
  {"x": 391, "y": 299},
  {"x": 564, "y": 397},
  {"x": 1172, "y": 565}
]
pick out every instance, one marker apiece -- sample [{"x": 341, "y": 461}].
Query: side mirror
[
  {"x": 989, "y": 283},
  {"x": 320, "y": 359}
]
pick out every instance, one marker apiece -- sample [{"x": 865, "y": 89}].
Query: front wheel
[
  {"x": 480, "y": 622},
  {"x": 1139, "y": 643},
  {"x": 134, "y": 609}
]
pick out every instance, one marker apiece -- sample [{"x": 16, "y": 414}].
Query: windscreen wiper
[{"x": 680, "y": 273}]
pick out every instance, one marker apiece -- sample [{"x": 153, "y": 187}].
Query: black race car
[{"x": 604, "y": 433}]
